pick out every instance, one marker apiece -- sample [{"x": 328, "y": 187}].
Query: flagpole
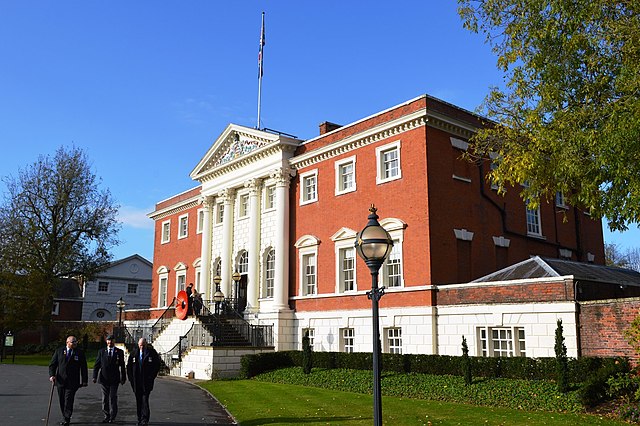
[{"x": 260, "y": 59}]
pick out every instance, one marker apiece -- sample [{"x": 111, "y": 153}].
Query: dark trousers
[
  {"x": 109, "y": 400},
  {"x": 66, "y": 396},
  {"x": 142, "y": 406}
]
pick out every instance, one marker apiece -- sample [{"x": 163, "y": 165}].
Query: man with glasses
[
  {"x": 110, "y": 372},
  {"x": 68, "y": 370}
]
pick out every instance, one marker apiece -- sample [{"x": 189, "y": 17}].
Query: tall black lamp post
[
  {"x": 236, "y": 279},
  {"x": 218, "y": 296},
  {"x": 120, "y": 304},
  {"x": 373, "y": 244}
]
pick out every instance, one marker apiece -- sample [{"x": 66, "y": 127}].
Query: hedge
[{"x": 580, "y": 369}]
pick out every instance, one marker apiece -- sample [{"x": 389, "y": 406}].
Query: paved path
[{"x": 25, "y": 390}]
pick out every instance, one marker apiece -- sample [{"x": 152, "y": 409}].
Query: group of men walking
[{"x": 68, "y": 371}]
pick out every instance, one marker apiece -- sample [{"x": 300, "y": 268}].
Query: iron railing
[
  {"x": 123, "y": 335},
  {"x": 162, "y": 322},
  {"x": 174, "y": 355},
  {"x": 230, "y": 322}
]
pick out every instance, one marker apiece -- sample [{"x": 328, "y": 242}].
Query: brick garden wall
[{"x": 602, "y": 324}]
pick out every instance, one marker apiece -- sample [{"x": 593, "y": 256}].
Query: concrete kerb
[{"x": 219, "y": 406}]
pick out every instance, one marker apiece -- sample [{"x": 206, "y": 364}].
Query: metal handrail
[
  {"x": 254, "y": 335},
  {"x": 174, "y": 355},
  {"x": 162, "y": 321}
]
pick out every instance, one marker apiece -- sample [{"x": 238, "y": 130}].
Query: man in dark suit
[
  {"x": 189, "y": 291},
  {"x": 110, "y": 372},
  {"x": 68, "y": 370},
  {"x": 142, "y": 368}
]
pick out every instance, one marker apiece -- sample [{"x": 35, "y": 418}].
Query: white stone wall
[
  {"x": 416, "y": 325},
  {"x": 424, "y": 333},
  {"x": 226, "y": 362},
  {"x": 539, "y": 321},
  {"x": 171, "y": 335},
  {"x": 240, "y": 234},
  {"x": 284, "y": 328}
]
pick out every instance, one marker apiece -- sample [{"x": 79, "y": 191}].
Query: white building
[{"x": 129, "y": 278}]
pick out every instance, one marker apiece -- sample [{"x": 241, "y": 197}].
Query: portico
[{"x": 244, "y": 200}]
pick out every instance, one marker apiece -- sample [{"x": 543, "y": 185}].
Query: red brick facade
[
  {"x": 176, "y": 250},
  {"x": 453, "y": 226}
]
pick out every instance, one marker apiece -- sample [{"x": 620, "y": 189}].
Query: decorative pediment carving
[{"x": 240, "y": 145}]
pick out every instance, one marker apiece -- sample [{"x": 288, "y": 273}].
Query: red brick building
[{"x": 284, "y": 214}]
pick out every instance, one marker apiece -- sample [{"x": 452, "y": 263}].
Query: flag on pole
[{"x": 260, "y": 52}]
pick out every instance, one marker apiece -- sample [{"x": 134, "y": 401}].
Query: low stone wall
[{"x": 207, "y": 363}]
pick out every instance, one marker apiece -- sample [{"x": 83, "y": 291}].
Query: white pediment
[
  {"x": 307, "y": 241},
  {"x": 392, "y": 223},
  {"x": 237, "y": 143},
  {"x": 344, "y": 234}
]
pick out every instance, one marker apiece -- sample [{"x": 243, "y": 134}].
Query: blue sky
[{"x": 145, "y": 87}]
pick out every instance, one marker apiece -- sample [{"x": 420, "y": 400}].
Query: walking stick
[{"x": 50, "y": 398}]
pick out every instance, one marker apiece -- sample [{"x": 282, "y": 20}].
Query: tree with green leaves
[
  {"x": 568, "y": 115},
  {"x": 562, "y": 362},
  {"x": 55, "y": 222}
]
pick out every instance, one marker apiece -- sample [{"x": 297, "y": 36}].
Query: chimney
[{"x": 328, "y": 126}]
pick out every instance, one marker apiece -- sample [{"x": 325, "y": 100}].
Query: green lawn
[
  {"x": 43, "y": 359},
  {"x": 255, "y": 403}
]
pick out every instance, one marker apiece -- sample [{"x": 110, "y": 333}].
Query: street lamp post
[
  {"x": 218, "y": 296},
  {"x": 236, "y": 279},
  {"x": 373, "y": 244},
  {"x": 120, "y": 304}
]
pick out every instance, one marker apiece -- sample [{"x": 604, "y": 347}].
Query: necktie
[
  {"x": 110, "y": 353},
  {"x": 68, "y": 354}
]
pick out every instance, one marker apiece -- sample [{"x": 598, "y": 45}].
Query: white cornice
[
  {"x": 386, "y": 130},
  {"x": 369, "y": 136},
  {"x": 175, "y": 208}
]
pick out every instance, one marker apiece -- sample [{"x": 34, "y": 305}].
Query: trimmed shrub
[
  {"x": 562, "y": 369},
  {"x": 579, "y": 370},
  {"x": 307, "y": 354},
  {"x": 466, "y": 363}
]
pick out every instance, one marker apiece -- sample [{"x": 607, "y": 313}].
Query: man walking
[
  {"x": 110, "y": 372},
  {"x": 68, "y": 370},
  {"x": 142, "y": 368}
]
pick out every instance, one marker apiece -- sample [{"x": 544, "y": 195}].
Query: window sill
[
  {"x": 536, "y": 236},
  {"x": 391, "y": 179}
]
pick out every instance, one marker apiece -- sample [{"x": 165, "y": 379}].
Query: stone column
[
  {"x": 204, "y": 285},
  {"x": 228, "y": 197},
  {"x": 282, "y": 177},
  {"x": 253, "y": 285}
]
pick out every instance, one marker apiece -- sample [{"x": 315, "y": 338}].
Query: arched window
[
  {"x": 243, "y": 262},
  {"x": 163, "y": 280},
  {"x": 391, "y": 273},
  {"x": 307, "y": 246},
  {"x": 269, "y": 273}
]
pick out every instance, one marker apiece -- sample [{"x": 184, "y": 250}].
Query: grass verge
[
  {"x": 255, "y": 403},
  {"x": 44, "y": 359}
]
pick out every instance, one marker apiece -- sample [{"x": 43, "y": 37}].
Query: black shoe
[{"x": 106, "y": 420}]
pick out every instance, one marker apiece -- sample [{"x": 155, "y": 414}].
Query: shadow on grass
[{"x": 301, "y": 420}]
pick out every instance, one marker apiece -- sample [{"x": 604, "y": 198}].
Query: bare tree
[{"x": 615, "y": 256}]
